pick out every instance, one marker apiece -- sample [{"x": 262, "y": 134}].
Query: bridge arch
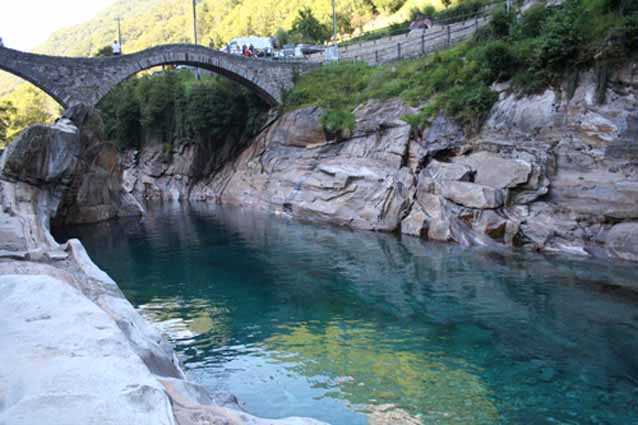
[
  {"x": 72, "y": 81},
  {"x": 26, "y": 77}
]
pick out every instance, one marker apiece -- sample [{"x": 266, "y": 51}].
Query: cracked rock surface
[{"x": 554, "y": 172}]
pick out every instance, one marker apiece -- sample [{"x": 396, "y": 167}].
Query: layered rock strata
[{"x": 556, "y": 171}]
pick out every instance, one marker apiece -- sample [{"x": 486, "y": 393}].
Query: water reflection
[{"x": 298, "y": 319}]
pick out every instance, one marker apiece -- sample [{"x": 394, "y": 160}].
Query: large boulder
[
  {"x": 359, "y": 182},
  {"x": 43, "y": 155},
  {"x": 376, "y": 115},
  {"x": 12, "y": 234},
  {"x": 532, "y": 114},
  {"x": 60, "y": 173},
  {"x": 416, "y": 223},
  {"x": 301, "y": 128},
  {"x": 596, "y": 192},
  {"x": 444, "y": 136},
  {"x": 96, "y": 191},
  {"x": 156, "y": 172},
  {"x": 495, "y": 171},
  {"x": 471, "y": 195},
  {"x": 439, "y": 217},
  {"x": 498, "y": 227},
  {"x": 448, "y": 171},
  {"x": 622, "y": 241},
  {"x": 65, "y": 360}
]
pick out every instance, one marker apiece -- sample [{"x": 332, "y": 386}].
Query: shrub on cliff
[
  {"x": 536, "y": 49},
  {"x": 339, "y": 121}
]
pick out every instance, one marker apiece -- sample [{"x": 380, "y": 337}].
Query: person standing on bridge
[
  {"x": 1, "y": 42},
  {"x": 117, "y": 49}
]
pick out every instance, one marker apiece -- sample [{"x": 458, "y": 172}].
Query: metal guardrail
[
  {"x": 392, "y": 31},
  {"x": 430, "y": 41},
  {"x": 425, "y": 44}
]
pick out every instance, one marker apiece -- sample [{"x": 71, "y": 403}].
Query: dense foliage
[
  {"x": 24, "y": 107},
  {"x": 308, "y": 28},
  {"x": 174, "y": 107},
  {"x": 6, "y": 111},
  {"x": 535, "y": 50}
]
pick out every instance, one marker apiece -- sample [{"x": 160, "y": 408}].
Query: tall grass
[{"x": 535, "y": 50}]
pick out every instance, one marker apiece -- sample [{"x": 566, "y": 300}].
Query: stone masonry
[{"x": 72, "y": 81}]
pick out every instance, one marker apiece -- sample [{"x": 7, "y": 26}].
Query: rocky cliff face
[
  {"x": 63, "y": 173},
  {"x": 73, "y": 350},
  {"x": 553, "y": 172},
  {"x": 293, "y": 168},
  {"x": 157, "y": 173}
]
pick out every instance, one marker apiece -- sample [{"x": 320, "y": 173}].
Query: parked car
[
  {"x": 291, "y": 51},
  {"x": 309, "y": 49}
]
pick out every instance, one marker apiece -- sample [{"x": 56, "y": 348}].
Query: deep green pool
[{"x": 358, "y": 327}]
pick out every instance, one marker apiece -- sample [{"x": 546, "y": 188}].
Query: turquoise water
[{"x": 359, "y": 327}]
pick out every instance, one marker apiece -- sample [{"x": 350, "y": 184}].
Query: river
[{"x": 358, "y": 327}]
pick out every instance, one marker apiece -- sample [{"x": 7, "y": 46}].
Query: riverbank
[
  {"x": 371, "y": 328},
  {"x": 72, "y": 347},
  {"x": 553, "y": 172},
  {"x": 548, "y": 172}
]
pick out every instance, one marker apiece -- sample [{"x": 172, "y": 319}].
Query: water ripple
[{"x": 351, "y": 327}]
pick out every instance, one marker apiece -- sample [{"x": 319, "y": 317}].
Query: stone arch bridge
[{"x": 71, "y": 81}]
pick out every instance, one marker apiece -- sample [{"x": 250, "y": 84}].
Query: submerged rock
[{"x": 495, "y": 171}]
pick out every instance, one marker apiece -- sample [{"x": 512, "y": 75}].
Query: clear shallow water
[{"x": 358, "y": 327}]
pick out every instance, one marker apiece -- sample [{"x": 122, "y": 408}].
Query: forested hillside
[
  {"x": 146, "y": 23},
  {"x": 149, "y": 22}
]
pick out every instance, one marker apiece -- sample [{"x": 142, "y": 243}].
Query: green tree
[
  {"x": 104, "y": 51},
  {"x": 344, "y": 23},
  {"x": 173, "y": 107},
  {"x": 446, "y": 3},
  {"x": 308, "y": 28},
  {"x": 121, "y": 112},
  {"x": 214, "y": 109},
  {"x": 429, "y": 10},
  {"x": 6, "y": 112},
  {"x": 282, "y": 37},
  {"x": 388, "y": 6},
  {"x": 32, "y": 107}
]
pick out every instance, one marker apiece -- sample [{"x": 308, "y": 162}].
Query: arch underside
[
  {"x": 55, "y": 96},
  {"x": 231, "y": 75}
]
